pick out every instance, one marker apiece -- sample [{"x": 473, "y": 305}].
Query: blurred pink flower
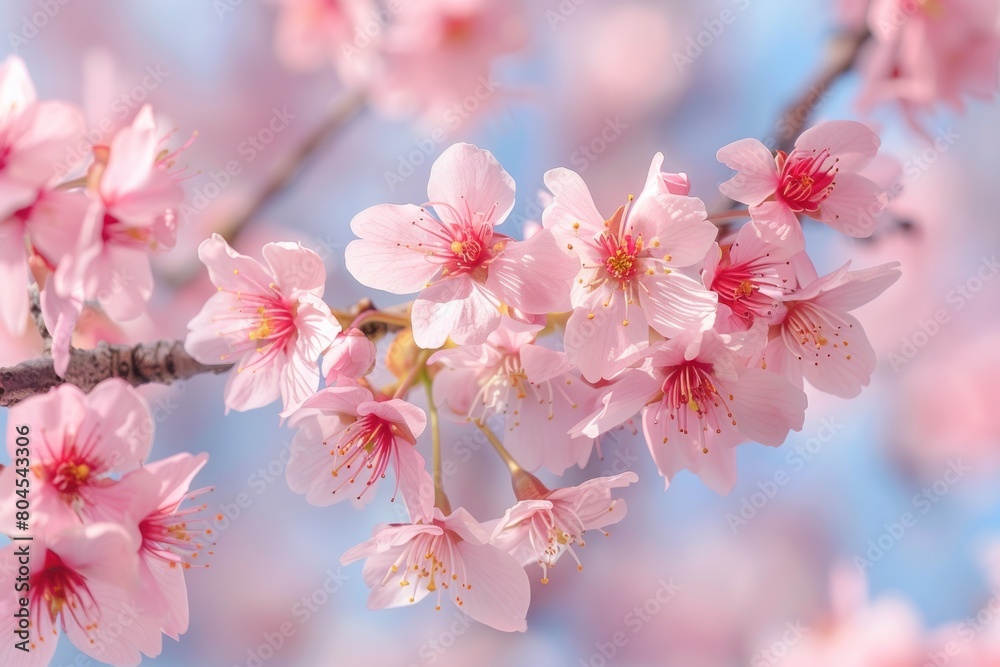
[
  {"x": 541, "y": 529},
  {"x": 271, "y": 319},
  {"x": 315, "y": 33},
  {"x": 82, "y": 581},
  {"x": 699, "y": 399},
  {"x": 33, "y": 137},
  {"x": 436, "y": 54},
  {"x": 819, "y": 178},
  {"x": 465, "y": 270},
  {"x": 751, "y": 277},
  {"x": 83, "y": 441},
  {"x": 343, "y": 433},
  {"x": 531, "y": 387},
  {"x": 819, "y": 340},
  {"x": 928, "y": 51},
  {"x": 629, "y": 260},
  {"x": 448, "y": 555}
]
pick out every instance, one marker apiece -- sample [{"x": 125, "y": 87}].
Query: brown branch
[{"x": 163, "y": 362}]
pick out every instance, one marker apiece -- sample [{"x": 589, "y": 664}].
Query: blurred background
[{"x": 870, "y": 538}]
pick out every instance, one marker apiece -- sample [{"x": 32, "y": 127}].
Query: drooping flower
[
  {"x": 450, "y": 556},
  {"x": 33, "y": 137},
  {"x": 699, "y": 398},
  {"x": 751, "y": 277},
  {"x": 466, "y": 273},
  {"x": 628, "y": 278},
  {"x": 82, "y": 581},
  {"x": 544, "y": 525},
  {"x": 352, "y": 355},
  {"x": 82, "y": 441},
  {"x": 819, "y": 178},
  {"x": 270, "y": 321},
  {"x": 819, "y": 340},
  {"x": 532, "y": 388},
  {"x": 928, "y": 52},
  {"x": 347, "y": 441}
]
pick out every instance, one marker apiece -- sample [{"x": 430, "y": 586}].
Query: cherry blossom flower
[
  {"x": 819, "y": 340},
  {"x": 699, "y": 398},
  {"x": 467, "y": 272},
  {"x": 450, "y": 556},
  {"x": 82, "y": 581},
  {"x": 83, "y": 440},
  {"x": 751, "y": 278},
  {"x": 819, "y": 178},
  {"x": 33, "y": 137},
  {"x": 628, "y": 279},
  {"x": 352, "y": 355},
  {"x": 315, "y": 33},
  {"x": 542, "y": 528},
  {"x": 344, "y": 434},
  {"x": 171, "y": 537},
  {"x": 436, "y": 53},
  {"x": 928, "y": 52},
  {"x": 531, "y": 387},
  {"x": 271, "y": 321}
]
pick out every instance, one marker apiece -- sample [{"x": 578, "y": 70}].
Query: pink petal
[
  {"x": 758, "y": 174},
  {"x": 391, "y": 253},
  {"x": 406, "y": 415},
  {"x": 472, "y": 183},
  {"x": 230, "y": 270},
  {"x": 854, "y": 206},
  {"x": 295, "y": 268},
  {"x": 572, "y": 204},
  {"x": 855, "y": 144},
  {"x": 599, "y": 345},
  {"x": 124, "y": 417},
  {"x": 454, "y": 307},
  {"x": 777, "y": 224},
  {"x": 766, "y": 406},
  {"x": 676, "y": 304},
  {"x": 859, "y": 287},
  {"x": 542, "y": 364},
  {"x": 674, "y": 226},
  {"x": 627, "y": 395},
  {"x": 255, "y": 388},
  {"x": 534, "y": 276},
  {"x": 500, "y": 592},
  {"x": 14, "y": 277}
]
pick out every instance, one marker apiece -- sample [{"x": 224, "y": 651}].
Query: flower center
[
  {"x": 622, "y": 256},
  {"x": 367, "y": 444},
  {"x": 58, "y": 587},
  {"x": 692, "y": 399},
  {"x": 807, "y": 179}
]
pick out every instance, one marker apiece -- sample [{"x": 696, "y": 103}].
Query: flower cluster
[
  {"x": 111, "y": 535},
  {"x": 654, "y": 312}
]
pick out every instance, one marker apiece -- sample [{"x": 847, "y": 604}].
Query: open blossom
[
  {"x": 819, "y": 178},
  {"x": 270, "y": 321},
  {"x": 928, "y": 52},
  {"x": 699, "y": 398},
  {"x": 541, "y": 529},
  {"x": 628, "y": 279},
  {"x": 33, "y": 138},
  {"x": 346, "y": 442},
  {"x": 751, "y": 277},
  {"x": 529, "y": 386},
  {"x": 83, "y": 440},
  {"x": 315, "y": 33},
  {"x": 449, "y": 556},
  {"x": 436, "y": 54},
  {"x": 82, "y": 582},
  {"x": 466, "y": 272},
  {"x": 819, "y": 340}
]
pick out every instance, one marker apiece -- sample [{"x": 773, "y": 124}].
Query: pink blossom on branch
[
  {"x": 532, "y": 388},
  {"x": 819, "y": 340},
  {"x": 346, "y": 436},
  {"x": 465, "y": 271},
  {"x": 83, "y": 441},
  {"x": 541, "y": 529},
  {"x": 628, "y": 278},
  {"x": 449, "y": 556},
  {"x": 819, "y": 178},
  {"x": 270, "y": 321},
  {"x": 33, "y": 138},
  {"x": 699, "y": 398}
]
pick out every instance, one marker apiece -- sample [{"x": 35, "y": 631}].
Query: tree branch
[{"x": 163, "y": 362}]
